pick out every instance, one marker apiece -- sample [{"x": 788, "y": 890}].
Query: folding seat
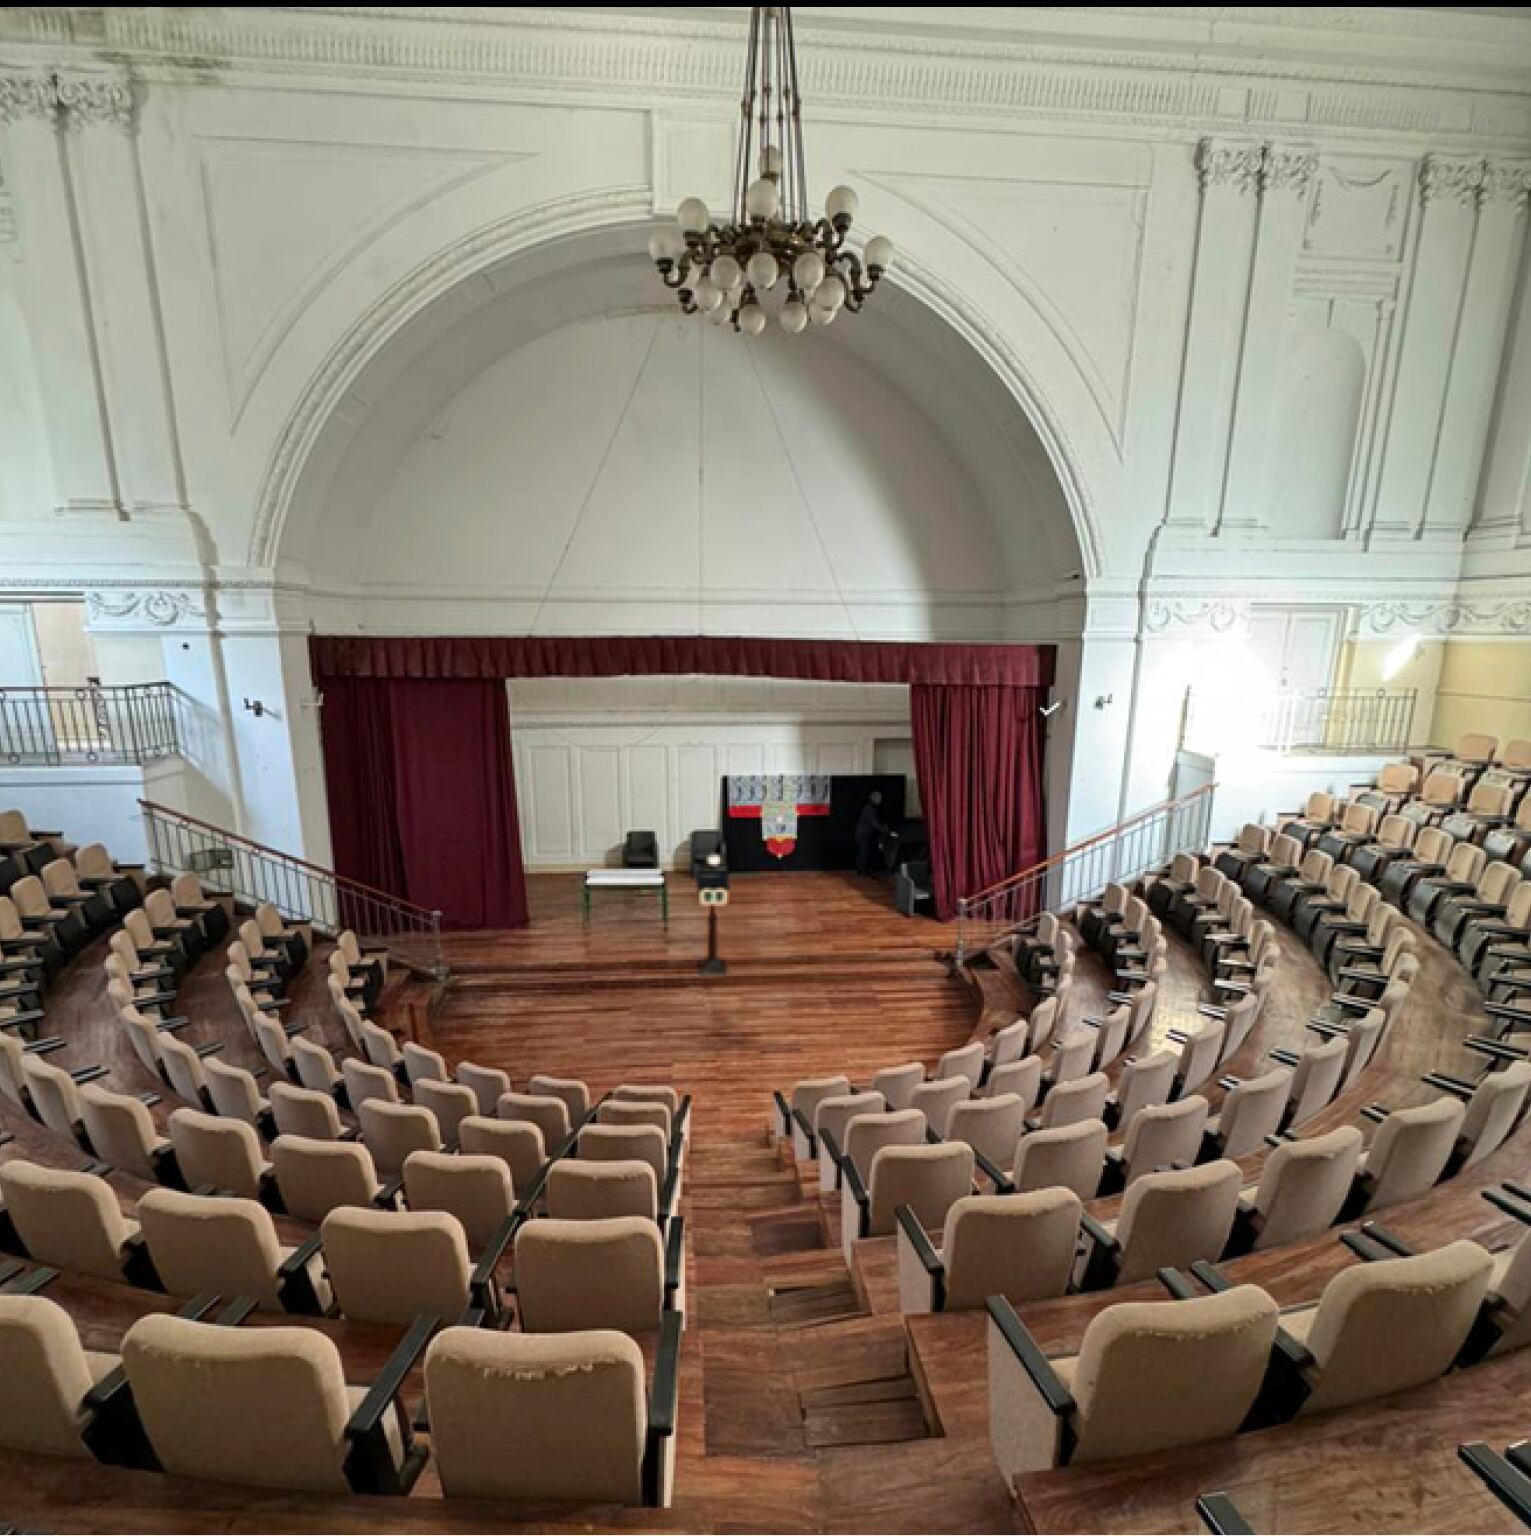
[
  {"x": 487, "y": 1083},
  {"x": 31, "y": 948},
  {"x": 829, "y": 1123},
  {"x": 1132, "y": 945},
  {"x": 1239, "y": 1020},
  {"x": 1073, "y": 1057},
  {"x": 928, "y": 1179},
  {"x": 1149, "y": 1376},
  {"x": 396, "y": 1266},
  {"x": 362, "y": 957},
  {"x": 518, "y": 1144},
  {"x": 1302, "y": 1189},
  {"x": 422, "y": 1065},
  {"x": 1379, "y": 1328},
  {"x": 578, "y": 1190},
  {"x": 1069, "y": 1157},
  {"x": 56, "y": 1099},
  {"x": 229, "y": 1246},
  {"x": 63, "y": 926},
  {"x": 122, "y": 1134},
  {"x": 550, "y": 1115},
  {"x": 1319, "y": 812},
  {"x": 1343, "y": 1006},
  {"x": 1361, "y": 1036},
  {"x": 1316, "y": 1073},
  {"x": 273, "y": 959},
  {"x": 1251, "y": 848},
  {"x": 642, "y": 1143},
  {"x": 476, "y": 1190},
  {"x": 1178, "y": 879},
  {"x": 170, "y": 927},
  {"x": 1043, "y": 1021},
  {"x": 288, "y": 939},
  {"x": 1356, "y": 828},
  {"x": 276, "y": 1046},
  {"x": 1005, "y": 1045},
  {"x": 630, "y": 1112},
  {"x": 1142, "y": 1004},
  {"x": 241, "y": 970},
  {"x": 1352, "y": 921},
  {"x": 123, "y": 885},
  {"x": 1084, "y": 1098},
  {"x": 1428, "y": 858},
  {"x": 1494, "y": 1105},
  {"x": 937, "y": 1099},
  {"x": 382, "y": 1050},
  {"x": 1253, "y": 1111},
  {"x": 152, "y": 983},
  {"x": 574, "y": 1093},
  {"x": 964, "y": 1061},
  {"x": 1159, "y": 1137},
  {"x": 192, "y": 902},
  {"x": 1020, "y": 1247},
  {"x": 13, "y": 1067},
  {"x": 151, "y": 948},
  {"x": 1490, "y": 805},
  {"x": 992, "y": 1127},
  {"x": 1167, "y": 1219},
  {"x": 1201, "y": 1048},
  {"x": 1110, "y": 1038},
  {"x": 269, "y": 1407},
  {"x": 1144, "y": 1080},
  {"x": 1311, "y": 879},
  {"x": 896, "y": 1084},
  {"x": 1202, "y": 897},
  {"x": 349, "y": 1014},
  {"x": 1504, "y": 1323},
  {"x": 145, "y": 1039},
  {"x": 316, "y": 1069},
  {"x": 802, "y": 1102},
  {"x": 390, "y": 1132},
  {"x": 31, "y": 848},
  {"x": 236, "y": 1095},
  {"x": 586, "y": 1428},
  {"x": 1095, "y": 920},
  {"x": 303, "y": 1112},
  {"x": 1438, "y": 797},
  {"x": 1488, "y": 901},
  {"x": 1232, "y": 932},
  {"x": 1362, "y": 968},
  {"x": 223, "y": 1153},
  {"x": 50, "y": 1405},
  {"x": 1039, "y": 954},
  {"x": 1464, "y": 867},
  {"x": 1407, "y": 1156},
  {"x": 1511, "y": 840},
  {"x": 317, "y": 1177},
  {"x": 1394, "y": 785},
  {"x": 1474, "y": 753},
  {"x": 93, "y": 909},
  {"x": 1395, "y": 840},
  {"x": 639, "y": 1093},
  {"x": 1484, "y": 939},
  {"x": 450, "y": 1103},
  {"x": 251, "y": 1008},
  {"x": 72, "y": 1221},
  {"x": 867, "y": 1135},
  {"x": 612, "y": 1273},
  {"x": 1241, "y": 956},
  {"x": 364, "y": 1082}
]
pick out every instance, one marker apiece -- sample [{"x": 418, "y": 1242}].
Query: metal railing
[
  {"x": 1124, "y": 852},
  {"x": 131, "y": 723},
  {"x": 1321, "y": 719},
  {"x": 303, "y": 892}
]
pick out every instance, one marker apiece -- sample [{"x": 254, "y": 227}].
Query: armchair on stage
[{"x": 640, "y": 850}]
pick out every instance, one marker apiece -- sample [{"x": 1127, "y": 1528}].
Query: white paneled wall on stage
[{"x": 596, "y": 758}]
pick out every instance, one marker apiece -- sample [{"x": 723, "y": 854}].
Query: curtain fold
[
  {"x": 422, "y": 795},
  {"x": 978, "y": 753}
]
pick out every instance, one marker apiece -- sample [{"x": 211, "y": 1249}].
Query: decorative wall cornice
[
  {"x": 1510, "y": 616},
  {"x": 79, "y": 99},
  {"x": 1189, "y": 616},
  {"x": 137, "y": 607},
  {"x": 1474, "y": 181},
  {"x": 1247, "y": 167},
  {"x": 28, "y": 93}
]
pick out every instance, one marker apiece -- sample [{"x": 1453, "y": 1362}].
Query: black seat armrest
[
  {"x": 1365, "y": 1248},
  {"x": 88, "y": 1074},
  {"x": 1211, "y": 1276},
  {"x": 294, "y": 1282},
  {"x": 674, "y": 1259},
  {"x": 1448, "y": 1084},
  {"x": 996, "y": 1176},
  {"x": 1177, "y": 1285},
  {"x": 801, "y": 1121},
  {"x": 925, "y": 1252},
  {"x": 1508, "y": 1480},
  {"x": 387, "y": 1196},
  {"x": 664, "y": 1407},
  {"x": 1395, "y": 1245},
  {"x": 482, "y": 1279},
  {"x": 783, "y": 1113},
  {"x": 856, "y": 1190},
  {"x": 29, "y": 1284},
  {"x": 1496, "y": 1050},
  {"x": 1221, "y": 1516},
  {"x": 1509, "y": 1204},
  {"x": 1018, "y": 1339},
  {"x": 370, "y": 1466}
]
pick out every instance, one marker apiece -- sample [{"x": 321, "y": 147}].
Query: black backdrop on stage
[{"x": 823, "y": 842}]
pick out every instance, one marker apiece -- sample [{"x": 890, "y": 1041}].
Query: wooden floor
[{"x": 808, "y": 1401}]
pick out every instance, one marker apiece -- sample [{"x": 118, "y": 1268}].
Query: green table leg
[
  {"x": 585, "y": 897},
  {"x": 664, "y": 901}
]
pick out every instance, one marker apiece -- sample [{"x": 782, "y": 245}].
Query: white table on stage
[{"x": 627, "y": 880}]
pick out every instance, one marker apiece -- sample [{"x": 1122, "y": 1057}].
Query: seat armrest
[
  {"x": 494, "y": 1250},
  {"x": 1286, "y": 1058},
  {"x": 370, "y": 1466},
  {"x": 1463, "y": 1090},
  {"x": 1496, "y": 1050},
  {"x": 29, "y": 1284},
  {"x": 46, "y": 1046},
  {"x": 1519, "y": 1209},
  {"x": 173, "y": 1025},
  {"x": 854, "y": 1187},
  {"x": 1505, "y": 1479},
  {"x": 674, "y": 1259},
  {"x": 1376, "y": 1113},
  {"x": 387, "y": 1196},
  {"x": 915, "y": 1235},
  {"x": 1020, "y": 1342},
  {"x": 1221, "y": 1516},
  {"x": 664, "y": 1407},
  {"x": 1177, "y": 1285},
  {"x": 996, "y": 1176},
  {"x": 1326, "y": 1031},
  {"x": 1380, "y": 1235},
  {"x": 1211, "y": 1276},
  {"x": 784, "y": 1115},
  {"x": 1104, "y": 1240},
  {"x": 1365, "y": 1248},
  {"x": 88, "y": 1074},
  {"x": 801, "y": 1121}
]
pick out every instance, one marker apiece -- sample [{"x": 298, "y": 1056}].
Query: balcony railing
[
  {"x": 133, "y": 723},
  {"x": 1124, "y": 852},
  {"x": 1316, "y": 720},
  {"x": 303, "y": 892}
]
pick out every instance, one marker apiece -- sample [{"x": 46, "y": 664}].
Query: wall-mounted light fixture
[
  {"x": 255, "y": 707},
  {"x": 1048, "y": 710},
  {"x": 1103, "y": 699}
]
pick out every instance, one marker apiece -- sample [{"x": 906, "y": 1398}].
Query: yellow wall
[
  {"x": 1396, "y": 663},
  {"x": 1485, "y": 685}
]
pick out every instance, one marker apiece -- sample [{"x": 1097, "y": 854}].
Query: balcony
[{"x": 130, "y": 725}]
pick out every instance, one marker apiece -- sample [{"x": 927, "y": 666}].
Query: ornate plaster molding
[
  {"x": 1510, "y": 616},
  {"x": 157, "y": 607},
  {"x": 1508, "y": 181},
  {"x": 28, "y": 93},
  {"x": 1216, "y": 616},
  {"x": 1450, "y": 178},
  {"x": 78, "y": 98},
  {"x": 1245, "y": 166},
  {"x": 1288, "y": 168}
]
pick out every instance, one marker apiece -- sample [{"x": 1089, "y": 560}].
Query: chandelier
[{"x": 771, "y": 243}]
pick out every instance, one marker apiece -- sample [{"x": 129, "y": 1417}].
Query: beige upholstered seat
[
  {"x": 590, "y": 1274},
  {"x": 395, "y": 1266},
  {"x": 1069, "y": 1103},
  {"x": 1200, "y": 1053},
  {"x": 938, "y": 1098},
  {"x": 1009, "y": 1044},
  {"x": 1302, "y": 1187},
  {"x": 235, "y": 1094},
  {"x": 805, "y": 1097},
  {"x": 1017, "y": 1246},
  {"x": 487, "y": 1083},
  {"x": 1315, "y": 1079},
  {"x": 1172, "y": 1218},
  {"x": 578, "y": 1404},
  {"x": 303, "y": 1112},
  {"x": 867, "y": 1135},
  {"x": 70, "y": 1220},
  {"x": 517, "y": 1143},
  {"x": 1163, "y": 1136},
  {"x": 624, "y": 1143},
  {"x": 992, "y": 1127},
  {"x": 476, "y": 1190},
  {"x": 1022, "y": 1077},
  {"x": 365, "y": 1083},
  {"x": 55, "y": 1097},
  {"x": 829, "y": 1123},
  {"x": 143, "y": 1036},
  {"x": 579, "y": 1190},
  {"x": 392, "y": 1131},
  {"x": 315, "y": 1066},
  {"x": 1068, "y": 1156},
  {"x": 122, "y": 1131},
  {"x": 964, "y": 1061},
  {"x": 1252, "y": 1111},
  {"x": 47, "y": 1376},
  {"x": 548, "y": 1113},
  {"x": 895, "y": 1084},
  {"x": 184, "y": 1071},
  {"x": 317, "y": 1177},
  {"x": 450, "y": 1103},
  {"x": 1393, "y": 1324},
  {"x": 1073, "y": 1057},
  {"x": 422, "y": 1065},
  {"x": 1493, "y": 1111},
  {"x": 13, "y": 1069},
  {"x": 632, "y": 1112},
  {"x": 223, "y": 1153},
  {"x": 574, "y": 1093},
  {"x": 1410, "y": 1151},
  {"x": 1149, "y": 1376},
  {"x": 1144, "y": 1080},
  {"x": 649, "y": 1093},
  {"x": 928, "y": 1179},
  {"x": 211, "y": 1243},
  {"x": 380, "y": 1047}
]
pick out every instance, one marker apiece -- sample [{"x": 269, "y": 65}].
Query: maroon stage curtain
[
  {"x": 825, "y": 661},
  {"x": 422, "y": 795},
  {"x": 978, "y": 754}
]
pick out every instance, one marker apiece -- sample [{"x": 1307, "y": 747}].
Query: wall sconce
[
  {"x": 255, "y": 707},
  {"x": 1048, "y": 710},
  {"x": 1103, "y": 699}
]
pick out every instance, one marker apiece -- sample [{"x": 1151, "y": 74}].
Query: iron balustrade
[
  {"x": 1142, "y": 843},
  {"x": 1320, "y": 720},
  {"x": 133, "y": 723},
  {"x": 300, "y": 891}
]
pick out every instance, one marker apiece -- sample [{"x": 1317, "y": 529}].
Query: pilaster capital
[{"x": 1448, "y": 178}]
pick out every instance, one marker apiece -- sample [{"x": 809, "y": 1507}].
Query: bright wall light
[{"x": 1399, "y": 657}]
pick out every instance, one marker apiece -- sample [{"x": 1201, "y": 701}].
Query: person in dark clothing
[{"x": 870, "y": 830}]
